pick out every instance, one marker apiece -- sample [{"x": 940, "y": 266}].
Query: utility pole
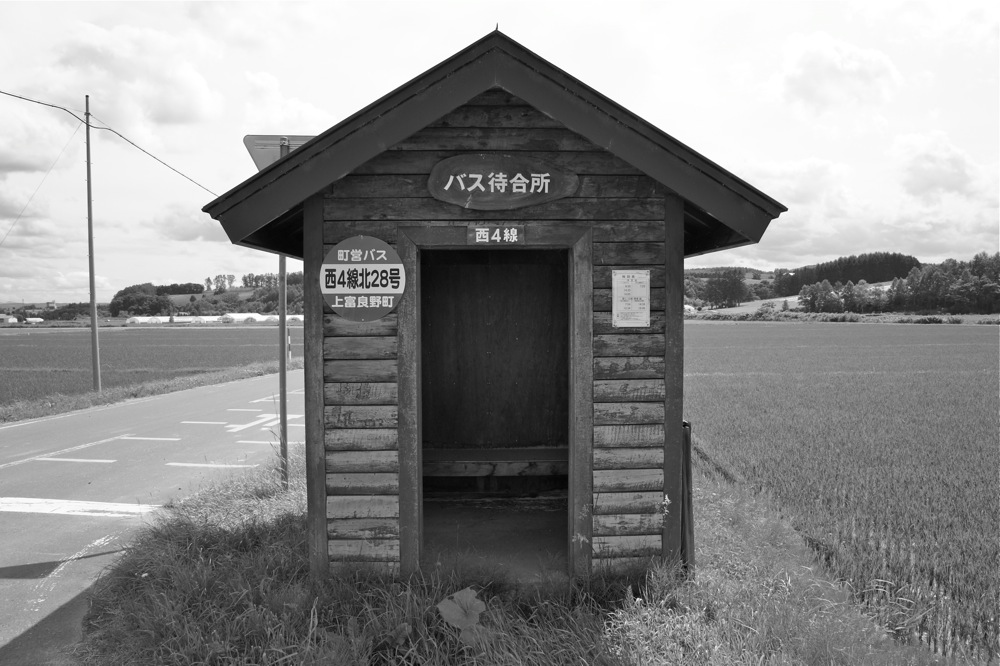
[
  {"x": 283, "y": 349},
  {"x": 95, "y": 349}
]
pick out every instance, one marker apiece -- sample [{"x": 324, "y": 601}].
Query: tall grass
[
  {"x": 222, "y": 578},
  {"x": 880, "y": 444}
]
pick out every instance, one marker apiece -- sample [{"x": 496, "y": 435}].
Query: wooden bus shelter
[{"x": 515, "y": 197}]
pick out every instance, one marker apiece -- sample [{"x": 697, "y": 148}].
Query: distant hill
[
  {"x": 872, "y": 267},
  {"x": 717, "y": 271},
  {"x": 182, "y": 300}
]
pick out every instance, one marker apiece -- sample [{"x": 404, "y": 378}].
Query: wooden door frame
[{"x": 578, "y": 239}]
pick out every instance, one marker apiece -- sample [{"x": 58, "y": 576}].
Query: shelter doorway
[{"x": 494, "y": 359}]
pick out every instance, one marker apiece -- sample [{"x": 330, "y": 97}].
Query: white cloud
[
  {"x": 136, "y": 76},
  {"x": 809, "y": 181},
  {"x": 11, "y": 207},
  {"x": 930, "y": 166},
  {"x": 186, "y": 224},
  {"x": 823, "y": 73},
  {"x": 270, "y": 110},
  {"x": 28, "y": 232},
  {"x": 945, "y": 207},
  {"x": 34, "y": 138}
]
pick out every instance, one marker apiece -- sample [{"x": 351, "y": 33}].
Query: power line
[
  {"x": 152, "y": 155},
  {"x": 28, "y": 203},
  {"x": 54, "y": 106},
  {"x": 113, "y": 131}
]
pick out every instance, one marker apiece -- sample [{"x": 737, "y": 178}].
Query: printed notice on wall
[{"x": 630, "y": 299}]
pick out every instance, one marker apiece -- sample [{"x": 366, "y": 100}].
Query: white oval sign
[
  {"x": 362, "y": 279},
  {"x": 495, "y": 181}
]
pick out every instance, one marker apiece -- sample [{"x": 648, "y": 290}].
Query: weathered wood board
[{"x": 494, "y": 376}]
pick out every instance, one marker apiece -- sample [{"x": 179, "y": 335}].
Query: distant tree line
[
  {"x": 953, "y": 287},
  {"x": 726, "y": 289},
  {"x": 68, "y": 312},
  {"x": 178, "y": 289},
  {"x": 269, "y": 280},
  {"x": 213, "y": 297},
  {"x": 872, "y": 267},
  {"x": 141, "y": 300},
  {"x": 721, "y": 271}
]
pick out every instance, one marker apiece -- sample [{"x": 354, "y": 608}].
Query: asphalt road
[{"x": 74, "y": 488}]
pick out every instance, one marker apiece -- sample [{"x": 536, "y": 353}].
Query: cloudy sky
[{"x": 876, "y": 123}]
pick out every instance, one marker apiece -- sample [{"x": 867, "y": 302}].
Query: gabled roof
[{"x": 721, "y": 210}]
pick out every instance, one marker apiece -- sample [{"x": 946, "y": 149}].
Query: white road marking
[
  {"x": 256, "y": 422},
  {"x": 206, "y": 465},
  {"x": 255, "y": 441},
  {"x": 204, "y": 422},
  {"x": 296, "y": 425},
  {"x": 237, "y": 409},
  {"x": 152, "y": 439},
  {"x": 74, "y": 507},
  {"x": 83, "y": 460},
  {"x": 277, "y": 421},
  {"x": 60, "y": 452}
]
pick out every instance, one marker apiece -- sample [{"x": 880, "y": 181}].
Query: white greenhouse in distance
[{"x": 230, "y": 318}]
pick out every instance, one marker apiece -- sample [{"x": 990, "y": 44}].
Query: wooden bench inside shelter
[{"x": 522, "y": 461}]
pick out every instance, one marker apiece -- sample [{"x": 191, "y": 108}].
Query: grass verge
[
  {"x": 222, "y": 578},
  {"x": 58, "y": 403}
]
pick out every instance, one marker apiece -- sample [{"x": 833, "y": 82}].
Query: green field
[
  {"x": 880, "y": 443},
  {"x": 39, "y": 362}
]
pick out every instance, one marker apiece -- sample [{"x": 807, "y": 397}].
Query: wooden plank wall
[
  {"x": 629, "y": 392},
  {"x": 360, "y": 369},
  {"x": 360, "y": 416}
]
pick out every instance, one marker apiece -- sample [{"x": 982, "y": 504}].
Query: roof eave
[{"x": 495, "y": 61}]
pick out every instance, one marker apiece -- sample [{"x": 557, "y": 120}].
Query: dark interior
[
  {"x": 494, "y": 345},
  {"x": 495, "y": 410}
]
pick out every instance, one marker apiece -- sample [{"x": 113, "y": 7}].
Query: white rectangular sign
[{"x": 630, "y": 299}]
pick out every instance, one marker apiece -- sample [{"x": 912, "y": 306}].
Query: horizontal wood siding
[
  {"x": 630, "y": 545},
  {"x": 622, "y": 503},
  {"x": 360, "y": 395},
  {"x": 625, "y": 210},
  {"x": 629, "y": 393}
]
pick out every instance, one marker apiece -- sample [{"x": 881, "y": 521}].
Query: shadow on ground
[
  {"x": 43, "y": 569},
  {"x": 51, "y": 641}
]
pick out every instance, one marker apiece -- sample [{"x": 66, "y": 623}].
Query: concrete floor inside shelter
[{"x": 520, "y": 540}]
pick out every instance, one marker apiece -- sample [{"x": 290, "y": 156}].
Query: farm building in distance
[{"x": 536, "y": 352}]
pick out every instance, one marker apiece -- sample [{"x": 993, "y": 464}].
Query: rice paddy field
[
  {"x": 881, "y": 444},
  {"x": 40, "y": 362}
]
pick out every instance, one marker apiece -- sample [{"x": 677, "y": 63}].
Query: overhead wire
[
  {"x": 54, "y": 106},
  {"x": 108, "y": 128},
  {"x": 126, "y": 139}
]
